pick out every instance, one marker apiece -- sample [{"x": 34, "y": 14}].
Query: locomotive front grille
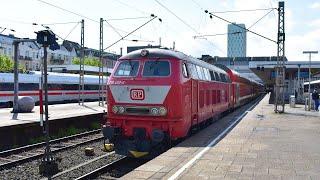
[{"x": 137, "y": 110}]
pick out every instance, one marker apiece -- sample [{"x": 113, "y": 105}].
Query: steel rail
[
  {"x": 95, "y": 173},
  {"x": 5, "y": 155}
]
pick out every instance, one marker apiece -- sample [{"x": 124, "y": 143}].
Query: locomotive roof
[{"x": 166, "y": 53}]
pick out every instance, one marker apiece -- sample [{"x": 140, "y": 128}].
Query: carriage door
[
  {"x": 194, "y": 102},
  {"x": 237, "y": 94}
]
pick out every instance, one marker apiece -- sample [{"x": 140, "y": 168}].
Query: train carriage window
[
  {"x": 228, "y": 79},
  {"x": 217, "y": 76},
  {"x": 91, "y": 87},
  {"x": 223, "y": 77},
  {"x": 212, "y": 76},
  {"x": 28, "y": 86},
  {"x": 127, "y": 68},
  {"x": 199, "y": 71},
  {"x": 55, "y": 87},
  {"x": 156, "y": 68},
  {"x": 207, "y": 75},
  {"x": 184, "y": 70},
  {"x": 6, "y": 86},
  {"x": 193, "y": 71},
  {"x": 203, "y": 73},
  {"x": 70, "y": 86}
]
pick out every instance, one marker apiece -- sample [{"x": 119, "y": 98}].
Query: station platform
[
  {"x": 263, "y": 145},
  {"x": 56, "y": 111},
  {"x": 24, "y": 128}
]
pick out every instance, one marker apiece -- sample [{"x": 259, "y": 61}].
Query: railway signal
[{"x": 48, "y": 164}]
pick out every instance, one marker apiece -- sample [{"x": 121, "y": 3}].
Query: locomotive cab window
[
  {"x": 217, "y": 76},
  {"x": 127, "y": 68},
  {"x": 193, "y": 71},
  {"x": 185, "y": 70},
  {"x": 156, "y": 68},
  {"x": 212, "y": 76},
  {"x": 223, "y": 78},
  {"x": 206, "y": 72}
]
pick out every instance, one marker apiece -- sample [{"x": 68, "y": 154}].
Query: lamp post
[{"x": 309, "y": 89}]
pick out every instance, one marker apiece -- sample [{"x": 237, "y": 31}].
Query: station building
[{"x": 30, "y": 56}]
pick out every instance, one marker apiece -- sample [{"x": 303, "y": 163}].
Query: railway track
[
  {"x": 13, "y": 157},
  {"x": 106, "y": 166}
]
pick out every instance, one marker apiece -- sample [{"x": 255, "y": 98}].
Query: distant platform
[
  {"x": 263, "y": 145},
  {"x": 57, "y": 111}
]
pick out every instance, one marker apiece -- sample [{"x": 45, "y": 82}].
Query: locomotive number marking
[{"x": 137, "y": 94}]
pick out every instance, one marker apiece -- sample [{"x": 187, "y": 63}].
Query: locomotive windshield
[
  {"x": 156, "y": 68},
  {"x": 127, "y": 68}
]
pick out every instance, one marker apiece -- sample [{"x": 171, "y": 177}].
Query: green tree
[
  {"x": 87, "y": 61},
  {"x": 6, "y": 64}
]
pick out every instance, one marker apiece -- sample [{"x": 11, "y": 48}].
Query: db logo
[{"x": 137, "y": 94}]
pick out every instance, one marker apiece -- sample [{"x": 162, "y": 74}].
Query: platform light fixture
[{"x": 309, "y": 89}]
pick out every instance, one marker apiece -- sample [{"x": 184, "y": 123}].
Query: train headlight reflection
[
  {"x": 162, "y": 111},
  {"x": 120, "y": 109},
  {"x": 154, "y": 111},
  {"x": 115, "y": 109}
]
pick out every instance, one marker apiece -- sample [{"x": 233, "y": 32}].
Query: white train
[{"x": 62, "y": 87}]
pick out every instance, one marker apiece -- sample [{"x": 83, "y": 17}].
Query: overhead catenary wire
[
  {"x": 66, "y": 10},
  {"x": 213, "y": 15},
  {"x": 132, "y": 7},
  {"x": 218, "y": 34},
  {"x": 74, "y": 13},
  {"x": 49, "y": 24},
  {"x": 185, "y": 23},
  {"x": 48, "y": 28},
  {"x": 154, "y": 17},
  {"x": 71, "y": 30},
  {"x": 243, "y": 10},
  {"x": 128, "y": 18},
  {"x": 171, "y": 12},
  {"x": 114, "y": 29},
  {"x": 260, "y": 19},
  {"x": 196, "y": 3}
]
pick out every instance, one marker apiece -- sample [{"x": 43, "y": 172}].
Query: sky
[{"x": 302, "y": 23}]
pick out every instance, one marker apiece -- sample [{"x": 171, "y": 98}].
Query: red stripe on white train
[{"x": 49, "y": 93}]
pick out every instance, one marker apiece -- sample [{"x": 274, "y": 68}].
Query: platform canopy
[{"x": 265, "y": 70}]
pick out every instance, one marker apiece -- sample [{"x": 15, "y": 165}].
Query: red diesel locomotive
[{"x": 156, "y": 96}]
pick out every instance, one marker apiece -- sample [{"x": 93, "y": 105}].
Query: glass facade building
[{"x": 237, "y": 40}]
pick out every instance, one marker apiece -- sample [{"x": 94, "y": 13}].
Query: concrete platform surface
[
  {"x": 264, "y": 145},
  {"x": 57, "y": 111}
]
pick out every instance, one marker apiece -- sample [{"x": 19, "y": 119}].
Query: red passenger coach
[{"x": 156, "y": 96}]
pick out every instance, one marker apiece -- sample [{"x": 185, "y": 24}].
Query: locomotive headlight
[
  {"x": 154, "y": 111},
  {"x": 162, "y": 111},
  {"x": 115, "y": 109},
  {"x": 120, "y": 109}
]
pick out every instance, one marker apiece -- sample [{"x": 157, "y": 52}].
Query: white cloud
[
  {"x": 295, "y": 44},
  {"x": 315, "y": 5}
]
